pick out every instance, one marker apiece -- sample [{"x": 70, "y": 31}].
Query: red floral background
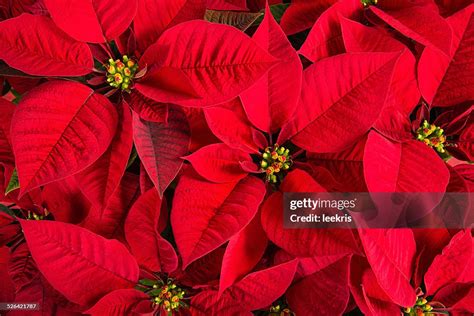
[{"x": 146, "y": 145}]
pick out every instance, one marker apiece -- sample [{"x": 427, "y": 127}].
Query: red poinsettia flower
[
  {"x": 381, "y": 283},
  {"x": 81, "y": 132}
]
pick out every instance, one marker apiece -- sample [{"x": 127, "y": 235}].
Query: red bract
[
  {"x": 94, "y": 21},
  {"x": 92, "y": 270},
  {"x": 449, "y": 83},
  {"x": 35, "y": 45},
  {"x": 72, "y": 125},
  {"x": 148, "y": 148},
  {"x": 448, "y": 283}
]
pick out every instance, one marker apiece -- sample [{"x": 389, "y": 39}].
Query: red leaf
[
  {"x": 351, "y": 88},
  {"x": 227, "y": 5},
  {"x": 302, "y": 242},
  {"x": 117, "y": 303},
  {"x": 345, "y": 168},
  {"x": 81, "y": 265},
  {"x": 147, "y": 109},
  {"x": 390, "y": 253},
  {"x": 403, "y": 167},
  {"x": 447, "y": 80},
  {"x": 218, "y": 60},
  {"x": 403, "y": 94},
  {"x": 160, "y": 146},
  {"x": 154, "y": 17},
  {"x": 6, "y": 113},
  {"x": 152, "y": 251},
  {"x": 326, "y": 291},
  {"x": 369, "y": 296},
  {"x": 94, "y": 21},
  {"x": 242, "y": 253},
  {"x": 325, "y": 38},
  {"x": 205, "y": 215},
  {"x": 35, "y": 45},
  {"x": 22, "y": 269},
  {"x": 272, "y": 100},
  {"x": 201, "y": 135},
  {"x": 301, "y": 14},
  {"x": 255, "y": 291},
  {"x": 241, "y": 135},
  {"x": 419, "y": 21},
  {"x": 100, "y": 180},
  {"x": 108, "y": 222},
  {"x": 449, "y": 266},
  {"x": 219, "y": 163},
  {"x": 71, "y": 126}
]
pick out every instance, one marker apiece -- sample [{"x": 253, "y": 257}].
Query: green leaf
[
  {"x": 277, "y": 11},
  {"x": 147, "y": 282},
  {"x": 240, "y": 20},
  {"x": 13, "y": 184},
  {"x": 6, "y": 210},
  {"x": 133, "y": 157}
]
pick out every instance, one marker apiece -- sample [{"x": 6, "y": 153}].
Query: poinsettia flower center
[
  {"x": 368, "y": 3},
  {"x": 121, "y": 72},
  {"x": 35, "y": 216},
  {"x": 278, "y": 310},
  {"x": 432, "y": 136},
  {"x": 274, "y": 161},
  {"x": 423, "y": 307},
  {"x": 165, "y": 295}
]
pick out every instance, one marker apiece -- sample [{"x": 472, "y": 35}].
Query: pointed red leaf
[
  {"x": 100, "y": 180},
  {"x": 147, "y": 109},
  {"x": 71, "y": 126},
  {"x": 419, "y": 21},
  {"x": 94, "y": 21},
  {"x": 108, "y": 222},
  {"x": 22, "y": 268},
  {"x": 116, "y": 303},
  {"x": 242, "y": 253},
  {"x": 403, "y": 167},
  {"x": 257, "y": 290},
  {"x": 154, "y": 17},
  {"x": 448, "y": 267},
  {"x": 78, "y": 263},
  {"x": 302, "y": 242},
  {"x": 351, "y": 89},
  {"x": 403, "y": 94},
  {"x": 241, "y": 135},
  {"x": 326, "y": 291},
  {"x": 152, "y": 251},
  {"x": 219, "y": 163},
  {"x": 325, "y": 38},
  {"x": 205, "y": 215},
  {"x": 369, "y": 296},
  {"x": 447, "y": 80},
  {"x": 390, "y": 253},
  {"x": 160, "y": 146},
  {"x": 301, "y": 15},
  {"x": 218, "y": 60},
  {"x": 35, "y": 45},
  {"x": 272, "y": 100}
]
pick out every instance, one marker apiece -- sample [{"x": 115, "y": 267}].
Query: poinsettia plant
[{"x": 147, "y": 146}]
